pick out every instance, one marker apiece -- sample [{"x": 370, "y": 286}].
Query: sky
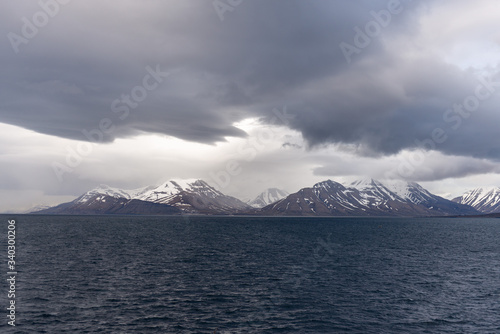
[{"x": 246, "y": 95}]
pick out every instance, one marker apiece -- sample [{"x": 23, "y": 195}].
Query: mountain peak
[
  {"x": 483, "y": 190},
  {"x": 364, "y": 183},
  {"x": 179, "y": 183},
  {"x": 485, "y": 199},
  {"x": 267, "y": 197},
  {"x": 409, "y": 191},
  {"x": 104, "y": 189},
  {"x": 328, "y": 184}
]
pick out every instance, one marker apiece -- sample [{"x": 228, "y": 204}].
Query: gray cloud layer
[{"x": 263, "y": 55}]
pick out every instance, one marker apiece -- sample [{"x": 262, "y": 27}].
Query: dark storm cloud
[
  {"x": 433, "y": 167},
  {"x": 400, "y": 105},
  {"x": 263, "y": 55}
]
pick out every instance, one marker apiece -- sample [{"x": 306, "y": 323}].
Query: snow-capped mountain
[
  {"x": 192, "y": 196},
  {"x": 373, "y": 191},
  {"x": 411, "y": 192},
  {"x": 189, "y": 196},
  {"x": 267, "y": 197},
  {"x": 485, "y": 200},
  {"x": 366, "y": 197},
  {"x": 166, "y": 191},
  {"x": 104, "y": 190}
]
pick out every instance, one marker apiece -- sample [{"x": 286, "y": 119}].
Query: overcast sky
[{"x": 246, "y": 94}]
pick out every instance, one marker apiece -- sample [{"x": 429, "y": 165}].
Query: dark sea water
[{"x": 254, "y": 275}]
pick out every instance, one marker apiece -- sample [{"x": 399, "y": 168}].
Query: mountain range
[{"x": 365, "y": 197}]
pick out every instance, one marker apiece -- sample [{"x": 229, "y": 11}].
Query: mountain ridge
[
  {"x": 366, "y": 198},
  {"x": 190, "y": 196},
  {"x": 485, "y": 200},
  {"x": 104, "y": 204}
]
